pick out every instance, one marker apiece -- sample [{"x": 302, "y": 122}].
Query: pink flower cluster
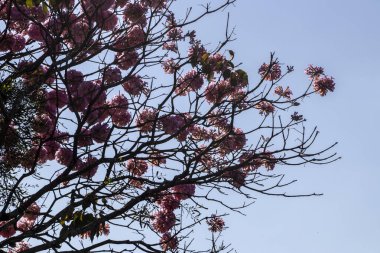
[
  {"x": 270, "y": 72},
  {"x": 283, "y": 93},
  {"x": 146, "y": 120},
  {"x": 191, "y": 81},
  {"x": 231, "y": 141},
  {"x": 136, "y": 167},
  {"x": 323, "y": 85},
  {"x": 20, "y": 247},
  {"x": 163, "y": 221},
  {"x": 25, "y": 223},
  {"x": 169, "y": 242},
  {"x": 118, "y": 110},
  {"x": 134, "y": 85},
  {"x": 265, "y": 108},
  {"x": 134, "y": 14},
  {"x": 216, "y": 223}
]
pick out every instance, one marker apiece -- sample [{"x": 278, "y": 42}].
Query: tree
[{"x": 96, "y": 139}]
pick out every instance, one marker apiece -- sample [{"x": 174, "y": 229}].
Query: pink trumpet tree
[{"x": 100, "y": 152}]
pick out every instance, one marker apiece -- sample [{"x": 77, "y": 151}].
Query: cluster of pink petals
[
  {"x": 314, "y": 71},
  {"x": 287, "y": 93},
  {"x": 88, "y": 166},
  {"x": 170, "y": 46},
  {"x": 135, "y": 36},
  {"x": 154, "y": 4},
  {"x": 146, "y": 120},
  {"x": 127, "y": 59},
  {"x": 118, "y": 110},
  {"x": 24, "y": 224},
  {"x": 265, "y": 107},
  {"x": 112, "y": 75},
  {"x": 217, "y": 62},
  {"x": 20, "y": 247},
  {"x": 217, "y": 91},
  {"x": 323, "y": 85},
  {"x": 134, "y": 85},
  {"x": 231, "y": 141},
  {"x": 169, "y": 66},
  {"x": 215, "y": 223},
  {"x": 136, "y": 167},
  {"x": 64, "y": 156},
  {"x": 6, "y": 230},
  {"x": 175, "y": 125},
  {"x": 99, "y": 132},
  {"x": 250, "y": 162},
  {"x": 183, "y": 191},
  {"x": 163, "y": 221},
  {"x": 134, "y": 14},
  {"x": 106, "y": 20},
  {"x": 12, "y": 42},
  {"x": 168, "y": 202},
  {"x": 168, "y": 242},
  {"x": 236, "y": 178},
  {"x": 270, "y": 72},
  {"x": 191, "y": 81}
]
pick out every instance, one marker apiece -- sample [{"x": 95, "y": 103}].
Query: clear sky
[{"x": 344, "y": 37}]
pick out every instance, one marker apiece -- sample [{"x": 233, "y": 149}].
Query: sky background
[{"x": 344, "y": 37}]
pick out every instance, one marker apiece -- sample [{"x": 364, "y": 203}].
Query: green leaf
[
  {"x": 29, "y": 3},
  {"x": 45, "y": 8},
  {"x": 232, "y": 54}
]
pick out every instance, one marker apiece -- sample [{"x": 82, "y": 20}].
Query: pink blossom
[
  {"x": 324, "y": 85},
  {"x": 36, "y": 32},
  {"x": 134, "y": 85},
  {"x": 314, "y": 71},
  {"x": 6, "y": 230},
  {"x": 217, "y": 91},
  {"x": 112, "y": 75},
  {"x": 250, "y": 162},
  {"x": 88, "y": 166},
  {"x": 236, "y": 178},
  {"x": 100, "y": 132},
  {"x": 269, "y": 160},
  {"x": 32, "y": 211},
  {"x": 169, "y": 242},
  {"x": 51, "y": 147},
  {"x": 163, "y": 221},
  {"x": 74, "y": 77},
  {"x": 174, "y": 125},
  {"x": 170, "y": 46},
  {"x": 25, "y": 224},
  {"x": 169, "y": 66},
  {"x": 84, "y": 138},
  {"x": 137, "y": 167},
  {"x": 191, "y": 81},
  {"x": 183, "y": 191},
  {"x": 126, "y": 59},
  {"x": 215, "y": 223},
  {"x": 283, "y": 93},
  {"x": 64, "y": 156},
  {"x": 106, "y": 20},
  {"x": 135, "y": 36},
  {"x": 265, "y": 107},
  {"x": 200, "y": 133},
  {"x": 168, "y": 202},
  {"x": 20, "y": 247},
  {"x": 97, "y": 5},
  {"x": 154, "y": 4},
  {"x": 43, "y": 124},
  {"x": 57, "y": 98},
  {"x": 14, "y": 43},
  {"x": 233, "y": 141},
  {"x": 146, "y": 120},
  {"x": 118, "y": 110},
  {"x": 217, "y": 62},
  {"x": 195, "y": 53},
  {"x": 134, "y": 14},
  {"x": 79, "y": 31},
  {"x": 270, "y": 73}
]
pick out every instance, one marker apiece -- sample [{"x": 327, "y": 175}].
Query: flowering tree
[{"x": 116, "y": 120}]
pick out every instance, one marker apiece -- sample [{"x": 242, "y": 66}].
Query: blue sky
[{"x": 343, "y": 37}]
